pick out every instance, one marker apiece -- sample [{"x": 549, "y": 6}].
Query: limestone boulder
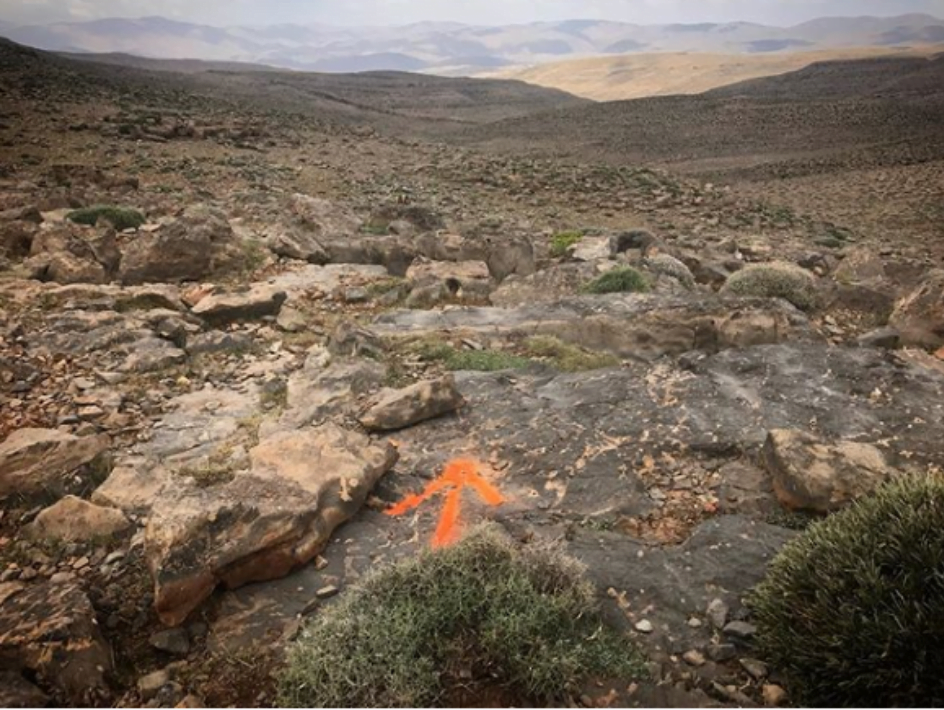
[
  {"x": 812, "y": 474},
  {"x": 256, "y": 302},
  {"x": 198, "y": 243},
  {"x": 41, "y": 460},
  {"x": 265, "y": 521},
  {"x": 397, "y": 409},
  {"x": 75, "y": 520}
]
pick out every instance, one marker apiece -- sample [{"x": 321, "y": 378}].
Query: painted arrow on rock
[{"x": 455, "y": 477}]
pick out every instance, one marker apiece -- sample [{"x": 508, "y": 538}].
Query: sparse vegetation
[
  {"x": 624, "y": 279},
  {"x": 853, "y": 610},
  {"x": 567, "y": 357},
  {"x": 120, "y": 217},
  {"x": 563, "y": 241},
  {"x": 774, "y": 280},
  {"x": 255, "y": 255},
  {"x": 524, "y": 620},
  {"x": 216, "y": 470},
  {"x": 452, "y": 358}
]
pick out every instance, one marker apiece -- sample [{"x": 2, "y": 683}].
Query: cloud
[{"x": 387, "y": 12}]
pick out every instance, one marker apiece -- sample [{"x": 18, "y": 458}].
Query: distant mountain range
[{"x": 453, "y": 48}]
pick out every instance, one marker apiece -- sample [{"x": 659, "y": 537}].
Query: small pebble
[
  {"x": 645, "y": 626},
  {"x": 326, "y": 592},
  {"x": 756, "y": 669},
  {"x": 740, "y": 630},
  {"x": 694, "y": 658}
]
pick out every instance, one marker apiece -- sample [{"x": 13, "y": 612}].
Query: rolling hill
[
  {"x": 633, "y": 76},
  {"x": 842, "y": 113}
]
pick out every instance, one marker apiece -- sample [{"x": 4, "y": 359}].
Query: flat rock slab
[
  {"x": 630, "y": 326},
  {"x": 667, "y": 586},
  {"x": 50, "y": 630}
]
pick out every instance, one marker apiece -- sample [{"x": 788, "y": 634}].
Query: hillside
[
  {"x": 640, "y": 75},
  {"x": 392, "y": 99},
  {"x": 457, "y": 49},
  {"x": 829, "y": 109}
]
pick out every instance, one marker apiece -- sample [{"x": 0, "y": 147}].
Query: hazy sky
[{"x": 383, "y": 12}]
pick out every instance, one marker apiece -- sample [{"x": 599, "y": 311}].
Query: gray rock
[
  {"x": 717, "y": 613},
  {"x": 722, "y": 652},
  {"x": 152, "y": 355},
  {"x": 198, "y": 243},
  {"x": 887, "y": 338},
  {"x": 174, "y": 641},
  {"x": 510, "y": 256},
  {"x": 740, "y": 630},
  {"x": 392, "y": 252},
  {"x": 755, "y": 669},
  {"x": 216, "y": 341},
  {"x": 544, "y": 286}
]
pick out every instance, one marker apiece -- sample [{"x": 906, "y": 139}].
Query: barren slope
[{"x": 632, "y": 76}]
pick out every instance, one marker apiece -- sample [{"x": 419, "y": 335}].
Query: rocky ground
[{"x": 205, "y": 417}]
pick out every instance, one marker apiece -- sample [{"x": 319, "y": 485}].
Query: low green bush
[
  {"x": 624, "y": 279},
  {"x": 411, "y": 635},
  {"x": 774, "y": 280},
  {"x": 120, "y": 217},
  {"x": 563, "y": 241},
  {"x": 852, "y": 611}
]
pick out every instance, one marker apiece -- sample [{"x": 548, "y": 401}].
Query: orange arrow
[{"x": 457, "y": 475}]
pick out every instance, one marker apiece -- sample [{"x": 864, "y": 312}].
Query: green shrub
[
  {"x": 852, "y": 611},
  {"x": 523, "y": 620},
  {"x": 120, "y": 217},
  {"x": 624, "y": 279},
  {"x": 774, "y": 280},
  {"x": 560, "y": 243},
  {"x": 567, "y": 357}
]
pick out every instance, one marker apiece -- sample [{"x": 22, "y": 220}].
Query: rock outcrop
[
  {"x": 265, "y": 521},
  {"x": 919, "y": 317},
  {"x": 41, "y": 460},
  {"x": 198, "y": 243}
]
